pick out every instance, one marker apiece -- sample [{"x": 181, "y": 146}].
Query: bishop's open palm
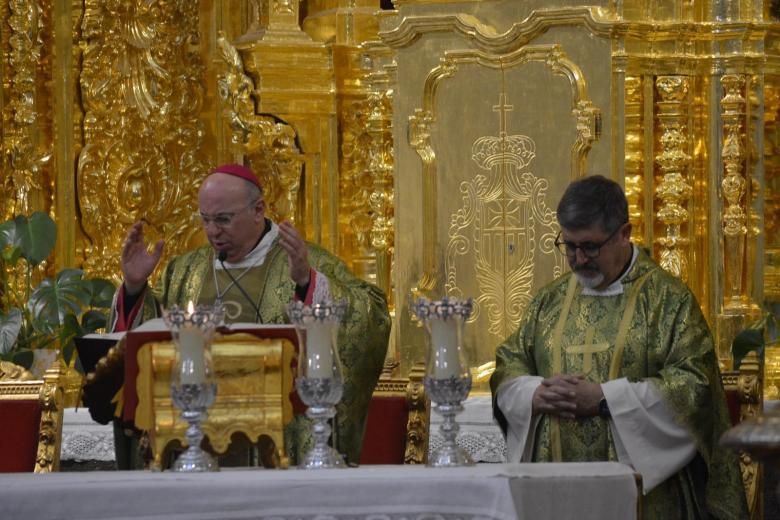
[{"x": 137, "y": 262}]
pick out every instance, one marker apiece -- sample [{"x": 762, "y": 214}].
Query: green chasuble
[
  {"x": 362, "y": 338},
  {"x": 654, "y": 331}
]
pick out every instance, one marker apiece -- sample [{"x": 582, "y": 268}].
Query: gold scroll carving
[
  {"x": 142, "y": 94},
  {"x": 268, "y": 145},
  {"x": 734, "y": 189},
  {"x": 25, "y": 156},
  {"x": 673, "y": 188},
  {"x": 503, "y": 201}
]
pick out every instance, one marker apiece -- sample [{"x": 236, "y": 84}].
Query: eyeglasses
[
  {"x": 589, "y": 249},
  {"x": 224, "y": 219}
]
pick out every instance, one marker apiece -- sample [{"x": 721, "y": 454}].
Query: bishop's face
[
  {"x": 232, "y": 222},
  {"x": 597, "y": 256}
]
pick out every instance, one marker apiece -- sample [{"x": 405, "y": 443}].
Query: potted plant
[{"x": 50, "y": 315}]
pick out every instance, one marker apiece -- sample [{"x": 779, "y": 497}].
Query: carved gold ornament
[
  {"x": 142, "y": 93},
  {"x": 673, "y": 188},
  {"x": 268, "y": 144}
]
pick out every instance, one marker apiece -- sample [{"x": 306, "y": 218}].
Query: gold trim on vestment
[{"x": 617, "y": 356}]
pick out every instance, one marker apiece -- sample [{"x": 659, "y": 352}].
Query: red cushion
[
  {"x": 385, "y": 438},
  {"x": 19, "y": 423},
  {"x": 732, "y": 401}
]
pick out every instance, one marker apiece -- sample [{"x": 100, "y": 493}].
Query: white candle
[
  {"x": 444, "y": 339},
  {"x": 319, "y": 361},
  {"x": 192, "y": 343}
]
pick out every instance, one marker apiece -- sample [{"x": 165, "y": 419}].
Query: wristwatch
[{"x": 604, "y": 409}]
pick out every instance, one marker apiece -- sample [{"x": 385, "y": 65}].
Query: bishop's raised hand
[{"x": 137, "y": 262}]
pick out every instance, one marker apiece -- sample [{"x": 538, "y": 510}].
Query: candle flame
[{"x": 190, "y": 307}]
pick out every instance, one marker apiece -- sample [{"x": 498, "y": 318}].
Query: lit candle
[
  {"x": 192, "y": 342},
  {"x": 444, "y": 339},
  {"x": 319, "y": 337}
]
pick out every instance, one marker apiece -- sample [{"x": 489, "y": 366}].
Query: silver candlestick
[
  {"x": 193, "y": 386},
  {"x": 319, "y": 381},
  {"x": 447, "y": 376}
]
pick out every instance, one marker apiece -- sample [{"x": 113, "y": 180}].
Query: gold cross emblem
[{"x": 588, "y": 349}]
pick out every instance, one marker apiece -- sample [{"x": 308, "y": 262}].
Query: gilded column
[
  {"x": 734, "y": 188},
  {"x": 24, "y": 156},
  {"x": 772, "y": 191},
  {"x": 672, "y": 187},
  {"x": 634, "y": 157},
  {"x": 66, "y": 133},
  {"x": 293, "y": 79},
  {"x": 380, "y": 129}
]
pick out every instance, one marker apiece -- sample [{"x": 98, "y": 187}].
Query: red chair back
[{"x": 20, "y": 422}]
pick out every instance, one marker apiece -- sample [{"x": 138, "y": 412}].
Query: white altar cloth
[
  {"x": 581, "y": 491},
  {"x": 85, "y": 440},
  {"x": 479, "y": 435}
]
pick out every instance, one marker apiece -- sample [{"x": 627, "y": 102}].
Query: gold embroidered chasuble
[
  {"x": 362, "y": 338},
  {"x": 654, "y": 331}
]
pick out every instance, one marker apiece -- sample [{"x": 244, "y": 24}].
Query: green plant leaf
[
  {"x": 102, "y": 292},
  {"x": 92, "y": 321},
  {"x": 10, "y": 325},
  {"x": 36, "y": 236},
  {"x": 53, "y": 300},
  {"x": 11, "y": 254},
  {"x": 8, "y": 234},
  {"x": 70, "y": 329}
]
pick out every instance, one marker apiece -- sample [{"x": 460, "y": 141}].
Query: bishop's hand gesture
[{"x": 137, "y": 262}]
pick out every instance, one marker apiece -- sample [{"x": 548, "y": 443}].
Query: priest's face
[
  {"x": 232, "y": 219},
  {"x": 595, "y": 255}
]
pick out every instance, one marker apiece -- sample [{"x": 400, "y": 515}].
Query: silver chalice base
[
  {"x": 194, "y": 400},
  {"x": 448, "y": 394},
  {"x": 321, "y": 396}
]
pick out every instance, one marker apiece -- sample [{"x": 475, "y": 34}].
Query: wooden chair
[
  {"x": 398, "y": 419},
  {"x": 744, "y": 396},
  {"x": 30, "y": 419}
]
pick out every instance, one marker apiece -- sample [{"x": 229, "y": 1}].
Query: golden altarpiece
[{"x": 426, "y": 142}]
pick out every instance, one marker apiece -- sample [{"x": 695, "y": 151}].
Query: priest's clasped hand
[{"x": 567, "y": 396}]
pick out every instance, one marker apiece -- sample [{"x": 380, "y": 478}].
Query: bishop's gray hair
[{"x": 593, "y": 200}]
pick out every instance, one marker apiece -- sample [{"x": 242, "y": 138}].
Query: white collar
[
  {"x": 615, "y": 287},
  {"x": 256, "y": 256}
]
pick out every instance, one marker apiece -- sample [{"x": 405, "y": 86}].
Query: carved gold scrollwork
[
  {"x": 23, "y": 162},
  {"x": 503, "y": 186},
  {"x": 142, "y": 93},
  {"x": 50, "y": 433},
  {"x": 270, "y": 145},
  {"x": 356, "y": 182},
  {"x": 673, "y": 188},
  {"x": 634, "y": 163},
  {"x": 381, "y": 162},
  {"x": 587, "y": 121},
  {"x": 284, "y": 6},
  {"x": 734, "y": 186},
  {"x": 596, "y": 19},
  {"x": 418, "y": 424},
  {"x": 420, "y": 139}
]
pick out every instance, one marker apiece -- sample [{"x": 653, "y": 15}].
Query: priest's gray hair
[{"x": 593, "y": 200}]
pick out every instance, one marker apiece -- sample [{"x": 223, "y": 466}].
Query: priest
[
  {"x": 271, "y": 265},
  {"x": 614, "y": 361}
]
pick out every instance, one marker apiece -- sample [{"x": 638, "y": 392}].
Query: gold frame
[{"x": 50, "y": 394}]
